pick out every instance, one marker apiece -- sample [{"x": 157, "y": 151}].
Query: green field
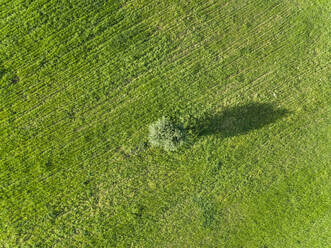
[{"x": 80, "y": 82}]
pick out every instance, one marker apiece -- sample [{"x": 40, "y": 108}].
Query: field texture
[{"x": 80, "y": 81}]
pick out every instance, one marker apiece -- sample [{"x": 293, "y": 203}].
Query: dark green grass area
[{"x": 80, "y": 82}]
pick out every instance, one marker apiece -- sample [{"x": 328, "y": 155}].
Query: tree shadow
[{"x": 239, "y": 120}]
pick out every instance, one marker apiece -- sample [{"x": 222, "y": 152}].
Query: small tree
[{"x": 166, "y": 134}]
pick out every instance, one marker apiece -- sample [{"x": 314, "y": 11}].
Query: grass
[{"x": 82, "y": 80}]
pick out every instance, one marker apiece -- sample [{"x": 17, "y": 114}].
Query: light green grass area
[{"x": 80, "y": 82}]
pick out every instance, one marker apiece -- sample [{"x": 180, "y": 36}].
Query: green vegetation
[
  {"x": 166, "y": 134},
  {"x": 81, "y": 81}
]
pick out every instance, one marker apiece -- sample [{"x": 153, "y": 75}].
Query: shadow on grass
[{"x": 239, "y": 120}]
